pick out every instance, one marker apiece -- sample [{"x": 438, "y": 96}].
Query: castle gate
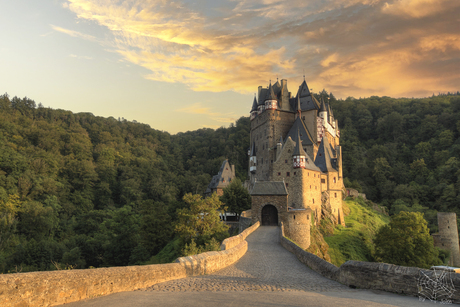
[{"x": 269, "y": 216}]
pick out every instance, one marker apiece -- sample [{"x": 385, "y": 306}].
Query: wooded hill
[{"x": 77, "y": 189}]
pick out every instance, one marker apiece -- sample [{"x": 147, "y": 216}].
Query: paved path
[
  {"x": 260, "y": 278},
  {"x": 266, "y": 266}
]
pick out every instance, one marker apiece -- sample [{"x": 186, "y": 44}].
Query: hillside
[{"x": 355, "y": 241}]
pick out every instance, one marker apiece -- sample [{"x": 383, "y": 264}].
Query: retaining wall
[
  {"x": 59, "y": 287},
  {"x": 373, "y": 275}
]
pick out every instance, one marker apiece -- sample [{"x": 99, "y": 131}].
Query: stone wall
[
  {"x": 60, "y": 287},
  {"x": 312, "y": 261},
  {"x": 235, "y": 240},
  {"x": 371, "y": 275},
  {"x": 244, "y": 223}
]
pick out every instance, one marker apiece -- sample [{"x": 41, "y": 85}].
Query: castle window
[
  {"x": 262, "y": 161},
  {"x": 334, "y": 179},
  {"x": 335, "y": 195},
  {"x": 294, "y": 173},
  {"x": 303, "y": 117},
  {"x": 288, "y": 174},
  {"x": 279, "y": 174},
  {"x": 271, "y": 161},
  {"x": 314, "y": 175},
  {"x": 323, "y": 180},
  {"x": 287, "y": 185},
  {"x": 285, "y": 161},
  {"x": 316, "y": 188},
  {"x": 294, "y": 217},
  {"x": 308, "y": 217},
  {"x": 310, "y": 186},
  {"x": 313, "y": 200},
  {"x": 263, "y": 147}
]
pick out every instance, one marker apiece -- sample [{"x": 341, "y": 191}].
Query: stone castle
[{"x": 295, "y": 160}]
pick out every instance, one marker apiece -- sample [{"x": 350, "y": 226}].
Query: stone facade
[
  {"x": 295, "y": 140},
  {"x": 221, "y": 180}
]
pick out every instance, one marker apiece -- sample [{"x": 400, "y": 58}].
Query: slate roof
[
  {"x": 324, "y": 156},
  {"x": 254, "y": 104},
  {"x": 269, "y": 188},
  {"x": 305, "y": 135},
  {"x": 298, "y": 150},
  {"x": 323, "y": 106}
]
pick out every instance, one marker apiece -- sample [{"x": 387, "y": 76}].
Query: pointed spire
[
  {"x": 271, "y": 94},
  {"x": 298, "y": 150},
  {"x": 323, "y": 105},
  {"x": 254, "y": 104}
]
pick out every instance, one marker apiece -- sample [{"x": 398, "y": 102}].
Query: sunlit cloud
[
  {"x": 351, "y": 48},
  {"x": 80, "y": 57},
  {"x": 73, "y": 33}
]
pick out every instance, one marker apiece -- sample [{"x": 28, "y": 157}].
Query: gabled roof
[
  {"x": 305, "y": 135},
  {"x": 217, "y": 182},
  {"x": 269, "y": 188},
  {"x": 324, "y": 156}
]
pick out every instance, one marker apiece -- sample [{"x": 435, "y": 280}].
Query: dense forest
[{"x": 79, "y": 191}]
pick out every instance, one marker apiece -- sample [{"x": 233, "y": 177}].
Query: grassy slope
[{"x": 354, "y": 242}]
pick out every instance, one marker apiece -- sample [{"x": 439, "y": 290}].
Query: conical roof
[
  {"x": 254, "y": 104},
  {"x": 323, "y": 105},
  {"x": 298, "y": 150},
  {"x": 271, "y": 94},
  {"x": 324, "y": 156}
]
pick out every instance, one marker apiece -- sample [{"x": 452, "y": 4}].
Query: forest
[{"x": 81, "y": 191}]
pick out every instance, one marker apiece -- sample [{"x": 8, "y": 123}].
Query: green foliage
[
  {"x": 236, "y": 198},
  {"x": 199, "y": 224},
  {"x": 67, "y": 181},
  {"x": 355, "y": 241},
  {"x": 406, "y": 241}
]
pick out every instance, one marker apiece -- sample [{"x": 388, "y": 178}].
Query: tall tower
[{"x": 447, "y": 238}]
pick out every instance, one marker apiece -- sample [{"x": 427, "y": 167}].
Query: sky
[{"x": 190, "y": 64}]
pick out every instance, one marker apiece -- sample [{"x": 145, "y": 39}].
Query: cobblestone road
[{"x": 266, "y": 266}]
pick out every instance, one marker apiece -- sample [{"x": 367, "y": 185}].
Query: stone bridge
[{"x": 267, "y": 275}]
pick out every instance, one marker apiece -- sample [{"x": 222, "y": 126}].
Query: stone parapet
[
  {"x": 60, "y": 287},
  {"x": 235, "y": 240},
  {"x": 378, "y": 276},
  {"x": 312, "y": 261},
  {"x": 209, "y": 262}
]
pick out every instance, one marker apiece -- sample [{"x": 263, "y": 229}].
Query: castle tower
[
  {"x": 271, "y": 103},
  {"x": 254, "y": 108},
  {"x": 299, "y": 155},
  {"x": 298, "y": 226},
  {"x": 447, "y": 238}
]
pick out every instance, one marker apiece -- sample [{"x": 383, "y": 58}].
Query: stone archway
[{"x": 269, "y": 216}]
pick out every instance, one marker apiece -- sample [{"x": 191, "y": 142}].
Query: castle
[{"x": 295, "y": 160}]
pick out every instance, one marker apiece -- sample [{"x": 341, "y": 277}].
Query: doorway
[{"x": 269, "y": 216}]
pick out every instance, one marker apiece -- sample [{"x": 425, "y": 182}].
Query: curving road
[{"x": 260, "y": 278}]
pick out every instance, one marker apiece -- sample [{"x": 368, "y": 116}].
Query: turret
[
  {"x": 279, "y": 146},
  {"x": 323, "y": 110},
  {"x": 271, "y": 103},
  {"x": 254, "y": 108},
  {"x": 299, "y": 155},
  {"x": 253, "y": 159}
]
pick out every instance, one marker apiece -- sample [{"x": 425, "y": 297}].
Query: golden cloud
[{"x": 356, "y": 47}]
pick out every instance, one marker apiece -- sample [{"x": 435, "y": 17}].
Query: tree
[
  {"x": 406, "y": 241},
  {"x": 199, "y": 224},
  {"x": 236, "y": 198}
]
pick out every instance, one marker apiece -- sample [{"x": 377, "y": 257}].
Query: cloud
[
  {"x": 80, "y": 57},
  {"x": 197, "y": 108},
  {"x": 74, "y": 33},
  {"x": 351, "y": 47}
]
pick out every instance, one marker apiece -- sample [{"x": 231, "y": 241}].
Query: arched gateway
[
  {"x": 269, "y": 202},
  {"x": 269, "y": 216}
]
